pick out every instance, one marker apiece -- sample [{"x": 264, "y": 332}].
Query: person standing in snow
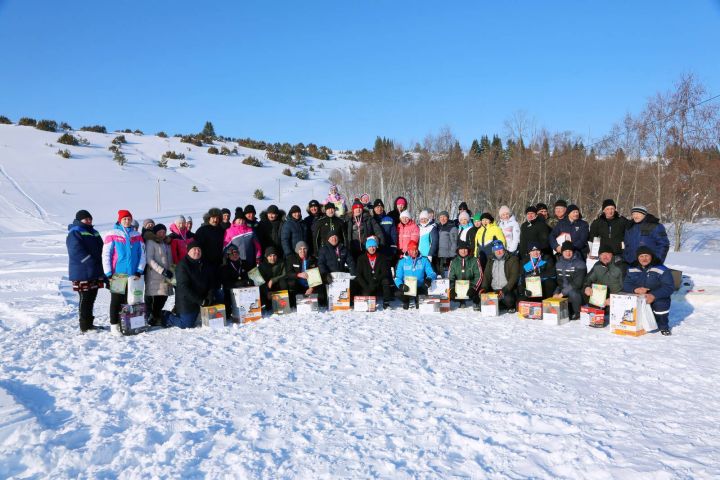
[
  {"x": 610, "y": 228},
  {"x": 560, "y": 211},
  {"x": 158, "y": 272},
  {"x": 571, "y": 270},
  {"x": 361, "y": 226},
  {"x": 325, "y": 225},
  {"x": 428, "y": 244},
  {"x": 243, "y": 237},
  {"x": 180, "y": 238},
  {"x": 648, "y": 276},
  {"x": 225, "y": 222},
  {"x": 463, "y": 208},
  {"x": 408, "y": 232},
  {"x": 510, "y": 228},
  {"x": 313, "y": 215},
  {"x": 533, "y": 230},
  {"x": 542, "y": 211},
  {"x": 249, "y": 213},
  {"x": 293, "y": 231},
  {"x": 574, "y": 229},
  {"x": 399, "y": 205},
  {"x": 389, "y": 228},
  {"x": 413, "y": 264},
  {"x": 645, "y": 230},
  {"x": 336, "y": 199},
  {"x": 464, "y": 225},
  {"x": 85, "y": 269},
  {"x": 189, "y": 224},
  {"x": 123, "y": 254},
  {"x": 268, "y": 230},
  {"x": 447, "y": 242},
  {"x": 488, "y": 232},
  {"x": 210, "y": 237}
]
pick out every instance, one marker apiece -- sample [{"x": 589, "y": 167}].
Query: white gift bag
[{"x": 136, "y": 290}]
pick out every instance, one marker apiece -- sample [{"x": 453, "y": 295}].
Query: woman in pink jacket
[{"x": 408, "y": 231}]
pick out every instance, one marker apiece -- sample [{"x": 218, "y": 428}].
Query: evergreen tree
[{"x": 208, "y": 130}]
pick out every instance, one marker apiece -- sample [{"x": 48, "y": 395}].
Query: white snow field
[{"x": 377, "y": 395}]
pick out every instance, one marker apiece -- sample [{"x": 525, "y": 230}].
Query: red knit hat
[
  {"x": 123, "y": 213},
  {"x": 412, "y": 245},
  {"x": 357, "y": 204}
]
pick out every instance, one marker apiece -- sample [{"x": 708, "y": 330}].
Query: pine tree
[{"x": 208, "y": 130}]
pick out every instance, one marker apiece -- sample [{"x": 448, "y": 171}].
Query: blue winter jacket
[
  {"x": 579, "y": 231},
  {"x": 655, "y": 277},
  {"x": 389, "y": 228},
  {"x": 84, "y": 245},
  {"x": 123, "y": 252},
  {"x": 418, "y": 267},
  {"x": 429, "y": 239},
  {"x": 648, "y": 233},
  {"x": 292, "y": 232}
]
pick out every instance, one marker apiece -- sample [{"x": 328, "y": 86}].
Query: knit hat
[
  {"x": 231, "y": 248},
  {"x": 357, "y": 204},
  {"x": 488, "y": 216},
  {"x": 194, "y": 244},
  {"x": 533, "y": 246},
  {"x": 462, "y": 244},
  {"x": 605, "y": 248},
  {"x": 313, "y": 203},
  {"x": 531, "y": 209},
  {"x": 497, "y": 245},
  {"x": 273, "y": 209},
  {"x": 123, "y": 213},
  {"x": 378, "y": 202},
  {"x": 371, "y": 242},
  {"x": 504, "y": 209},
  {"x": 640, "y": 209},
  {"x": 412, "y": 245},
  {"x": 401, "y": 201},
  {"x": 300, "y": 245},
  {"x": 567, "y": 245},
  {"x": 540, "y": 206},
  {"x": 444, "y": 213},
  {"x": 82, "y": 215},
  {"x": 608, "y": 203},
  {"x": 477, "y": 217},
  {"x": 294, "y": 209},
  {"x": 644, "y": 251},
  {"x": 179, "y": 218},
  {"x": 249, "y": 209},
  {"x": 424, "y": 214},
  {"x": 147, "y": 222},
  {"x": 188, "y": 219},
  {"x": 159, "y": 227},
  {"x": 464, "y": 215},
  {"x": 225, "y": 211},
  {"x": 135, "y": 224},
  {"x": 215, "y": 212},
  {"x": 330, "y": 205},
  {"x": 364, "y": 195},
  {"x": 405, "y": 214},
  {"x": 571, "y": 208},
  {"x": 463, "y": 206},
  {"x": 270, "y": 251},
  {"x": 332, "y": 233},
  {"x": 561, "y": 203}
]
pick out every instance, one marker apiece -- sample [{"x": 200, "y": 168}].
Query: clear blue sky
[{"x": 340, "y": 73}]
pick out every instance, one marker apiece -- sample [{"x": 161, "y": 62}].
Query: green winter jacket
[
  {"x": 610, "y": 275},
  {"x": 469, "y": 271}
]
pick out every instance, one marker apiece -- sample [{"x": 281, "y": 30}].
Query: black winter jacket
[
  {"x": 371, "y": 278},
  {"x": 570, "y": 274},
  {"x": 211, "y": 240},
  {"x": 323, "y": 227},
  {"x": 335, "y": 259},
  {"x": 293, "y": 266},
  {"x": 193, "y": 285},
  {"x": 357, "y": 234},
  {"x": 536, "y": 231},
  {"x": 268, "y": 232},
  {"x": 611, "y": 232}
]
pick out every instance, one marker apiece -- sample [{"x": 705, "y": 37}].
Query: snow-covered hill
[
  {"x": 36, "y": 183},
  {"x": 389, "y": 394}
]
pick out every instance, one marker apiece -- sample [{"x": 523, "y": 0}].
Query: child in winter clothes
[
  {"x": 243, "y": 237},
  {"x": 336, "y": 199}
]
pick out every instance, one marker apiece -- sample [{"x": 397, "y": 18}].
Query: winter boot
[
  {"x": 666, "y": 332},
  {"x": 476, "y": 307},
  {"x": 115, "y": 329}
]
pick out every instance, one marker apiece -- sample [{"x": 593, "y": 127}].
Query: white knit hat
[{"x": 405, "y": 214}]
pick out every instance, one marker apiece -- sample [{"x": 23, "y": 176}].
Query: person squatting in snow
[{"x": 381, "y": 251}]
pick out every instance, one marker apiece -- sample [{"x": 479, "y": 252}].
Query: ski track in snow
[{"x": 384, "y": 395}]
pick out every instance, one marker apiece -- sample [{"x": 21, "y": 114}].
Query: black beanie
[
  {"x": 225, "y": 211},
  {"x": 378, "y": 203},
  {"x": 644, "y": 251},
  {"x": 273, "y": 209},
  {"x": 249, "y": 209},
  {"x": 159, "y": 227},
  {"x": 194, "y": 244},
  {"x": 567, "y": 245},
  {"x": 608, "y": 203},
  {"x": 605, "y": 248},
  {"x": 561, "y": 203},
  {"x": 531, "y": 209},
  {"x": 82, "y": 215},
  {"x": 270, "y": 251},
  {"x": 313, "y": 203},
  {"x": 572, "y": 208},
  {"x": 540, "y": 206},
  {"x": 488, "y": 216},
  {"x": 294, "y": 209}
]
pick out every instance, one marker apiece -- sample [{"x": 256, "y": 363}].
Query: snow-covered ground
[{"x": 381, "y": 395}]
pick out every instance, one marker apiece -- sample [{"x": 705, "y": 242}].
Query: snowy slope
[{"x": 383, "y": 395}]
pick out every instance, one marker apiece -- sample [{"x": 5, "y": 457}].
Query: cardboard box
[
  {"x": 213, "y": 316},
  {"x": 555, "y": 311},
  {"x": 625, "y": 314},
  {"x": 246, "y": 304},
  {"x": 281, "y": 302},
  {"x": 530, "y": 310},
  {"x": 307, "y": 304},
  {"x": 339, "y": 292},
  {"x": 429, "y": 304},
  {"x": 365, "y": 304},
  {"x": 440, "y": 288},
  {"x": 132, "y": 319},
  {"x": 489, "y": 304},
  {"x": 592, "y": 316}
]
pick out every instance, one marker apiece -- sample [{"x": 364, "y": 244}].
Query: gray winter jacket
[{"x": 447, "y": 240}]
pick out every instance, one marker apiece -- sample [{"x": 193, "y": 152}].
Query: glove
[
  {"x": 404, "y": 288},
  {"x": 328, "y": 279},
  {"x": 528, "y": 293},
  {"x": 167, "y": 274},
  {"x": 428, "y": 282},
  {"x": 482, "y": 290}
]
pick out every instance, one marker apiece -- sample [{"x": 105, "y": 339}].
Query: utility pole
[
  {"x": 157, "y": 196},
  {"x": 278, "y": 190}
]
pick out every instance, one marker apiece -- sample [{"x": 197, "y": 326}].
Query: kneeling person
[
  {"x": 413, "y": 265},
  {"x": 605, "y": 272},
  {"x": 296, "y": 265},
  {"x": 571, "y": 270},
  {"x": 501, "y": 276},
  {"x": 373, "y": 273},
  {"x": 464, "y": 267},
  {"x": 649, "y": 277}
]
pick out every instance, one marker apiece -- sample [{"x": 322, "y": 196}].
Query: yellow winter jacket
[{"x": 486, "y": 234}]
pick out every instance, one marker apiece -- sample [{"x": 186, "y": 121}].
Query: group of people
[{"x": 381, "y": 250}]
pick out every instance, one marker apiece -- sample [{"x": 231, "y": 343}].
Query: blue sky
[{"x": 340, "y": 73}]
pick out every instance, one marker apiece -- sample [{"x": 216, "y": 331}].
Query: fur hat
[
  {"x": 273, "y": 209},
  {"x": 561, "y": 203},
  {"x": 540, "y": 206},
  {"x": 249, "y": 209},
  {"x": 488, "y": 216},
  {"x": 159, "y": 227},
  {"x": 567, "y": 245},
  {"x": 531, "y": 209},
  {"x": 215, "y": 212}
]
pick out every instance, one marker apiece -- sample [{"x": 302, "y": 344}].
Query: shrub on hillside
[
  {"x": 163, "y": 162},
  {"x": 27, "y": 122},
  {"x": 302, "y": 174},
  {"x": 213, "y": 151},
  {"x": 225, "y": 151},
  {"x": 138, "y": 132},
  {"x": 68, "y": 139},
  {"x": 114, "y": 148},
  {"x": 280, "y": 157},
  {"x": 64, "y": 153},
  {"x": 252, "y": 161},
  {"x": 192, "y": 140},
  {"x": 255, "y": 144},
  {"x": 120, "y": 158},
  {"x": 184, "y": 164},
  {"x": 194, "y": 188},
  {"x": 65, "y": 126},
  {"x": 119, "y": 140},
  {"x": 162, "y": 134},
  {"x": 94, "y": 128},
  {"x": 287, "y": 172},
  {"x": 5, "y": 120},
  {"x": 259, "y": 194},
  {"x": 172, "y": 155},
  {"x": 47, "y": 125}
]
